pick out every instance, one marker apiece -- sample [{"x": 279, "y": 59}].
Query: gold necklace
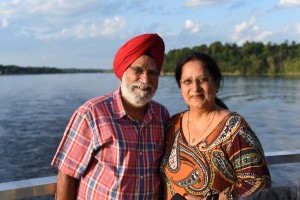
[{"x": 193, "y": 140}]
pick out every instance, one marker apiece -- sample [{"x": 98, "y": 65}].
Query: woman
[{"x": 211, "y": 153}]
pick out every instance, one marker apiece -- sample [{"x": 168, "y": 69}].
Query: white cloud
[
  {"x": 85, "y": 29},
  {"x": 58, "y": 7},
  {"x": 47, "y": 8},
  {"x": 4, "y": 23},
  {"x": 195, "y": 3},
  {"x": 255, "y": 28},
  {"x": 194, "y": 27},
  {"x": 114, "y": 26},
  {"x": 262, "y": 35},
  {"x": 249, "y": 31},
  {"x": 6, "y": 9},
  {"x": 245, "y": 25},
  {"x": 57, "y": 19},
  {"x": 289, "y": 3}
]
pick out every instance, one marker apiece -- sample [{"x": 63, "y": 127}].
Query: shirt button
[
  {"x": 141, "y": 153},
  {"x": 142, "y": 177}
]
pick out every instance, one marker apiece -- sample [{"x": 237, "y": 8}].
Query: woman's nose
[{"x": 196, "y": 85}]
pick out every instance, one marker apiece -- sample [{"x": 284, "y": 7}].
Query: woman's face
[{"x": 198, "y": 87}]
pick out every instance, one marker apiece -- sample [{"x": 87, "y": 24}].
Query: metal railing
[
  {"x": 47, "y": 185},
  {"x": 283, "y": 157},
  {"x": 28, "y": 188}
]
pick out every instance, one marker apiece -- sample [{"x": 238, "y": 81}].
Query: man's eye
[
  {"x": 139, "y": 70},
  {"x": 152, "y": 73}
]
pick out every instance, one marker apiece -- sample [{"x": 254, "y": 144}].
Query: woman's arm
[{"x": 247, "y": 158}]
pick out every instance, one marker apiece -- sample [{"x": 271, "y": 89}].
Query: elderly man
[{"x": 113, "y": 144}]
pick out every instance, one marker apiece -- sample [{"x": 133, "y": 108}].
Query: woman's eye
[
  {"x": 188, "y": 81},
  {"x": 204, "y": 80}
]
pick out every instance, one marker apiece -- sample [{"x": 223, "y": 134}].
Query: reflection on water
[{"x": 36, "y": 108}]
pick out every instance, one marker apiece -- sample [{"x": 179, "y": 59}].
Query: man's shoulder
[
  {"x": 99, "y": 101},
  {"x": 157, "y": 105}
]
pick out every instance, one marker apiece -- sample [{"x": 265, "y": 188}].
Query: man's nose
[{"x": 144, "y": 77}]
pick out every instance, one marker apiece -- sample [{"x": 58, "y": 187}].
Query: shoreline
[
  {"x": 290, "y": 75},
  {"x": 296, "y": 75}
]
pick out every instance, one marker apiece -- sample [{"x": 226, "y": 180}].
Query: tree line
[
  {"x": 14, "y": 69},
  {"x": 252, "y": 58}
]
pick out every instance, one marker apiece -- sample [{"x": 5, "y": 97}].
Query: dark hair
[
  {"x": 209, "y": 63},
  {"x": 220, "y": 103}
]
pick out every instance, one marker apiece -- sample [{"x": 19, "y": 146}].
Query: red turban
[{"x": 140, "y": 45}]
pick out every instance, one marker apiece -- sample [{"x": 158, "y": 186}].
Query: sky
[{"x": 87, "y": 34}]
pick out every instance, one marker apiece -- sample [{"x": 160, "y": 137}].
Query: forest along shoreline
[
  {"x": 250, "y": 59},
  {"x": 16, "y": 70}
]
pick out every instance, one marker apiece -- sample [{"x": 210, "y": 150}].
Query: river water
[{"x": 36, "y": 108}]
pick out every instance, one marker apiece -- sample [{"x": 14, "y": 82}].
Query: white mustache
[{"x": 141, "y": 85}]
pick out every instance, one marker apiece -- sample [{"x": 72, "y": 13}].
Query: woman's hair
[{"x": 209, "y": 63}]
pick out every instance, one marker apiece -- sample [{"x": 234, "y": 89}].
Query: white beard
[{"x": 134, "y": 95}]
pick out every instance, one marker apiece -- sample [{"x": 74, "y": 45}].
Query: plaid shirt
[{"x": 113, "y": 156}]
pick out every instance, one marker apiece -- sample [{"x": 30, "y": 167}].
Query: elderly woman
[{"x": 211, "y": 153}]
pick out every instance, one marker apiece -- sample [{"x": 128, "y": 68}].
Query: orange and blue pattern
[{"x": 230, "y": 160}]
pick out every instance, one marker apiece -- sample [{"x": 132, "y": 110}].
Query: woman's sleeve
[{"x": 246, "y": 155}]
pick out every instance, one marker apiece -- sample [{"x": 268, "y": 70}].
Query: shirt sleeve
[
  {"x": 248, "y": 161},
  {"x": 76, "y": 147}
]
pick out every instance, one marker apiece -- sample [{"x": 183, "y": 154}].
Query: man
[{"x": 112, "y": 146}]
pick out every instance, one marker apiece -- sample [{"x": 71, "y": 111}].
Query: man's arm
[{"x": 66, "y": 187}]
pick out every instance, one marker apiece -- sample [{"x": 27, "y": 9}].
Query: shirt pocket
[
  {"x": 104, "y": 148},
  {"x": 104, "y": 179}
]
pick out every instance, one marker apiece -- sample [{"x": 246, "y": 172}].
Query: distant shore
[
  {"x": 240, "y": 74},
  {"x": 17, "y": 70}
]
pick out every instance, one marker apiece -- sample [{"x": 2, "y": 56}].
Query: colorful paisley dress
[{"x": 230, "y": 159}]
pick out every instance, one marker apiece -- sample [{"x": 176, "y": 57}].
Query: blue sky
[{"x": 87, "y": 34}]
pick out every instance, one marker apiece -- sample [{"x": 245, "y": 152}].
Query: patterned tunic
[{"x": 230, "y": 159}]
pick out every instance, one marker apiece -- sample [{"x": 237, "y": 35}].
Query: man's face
[{"x": 140, "y": 81}]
